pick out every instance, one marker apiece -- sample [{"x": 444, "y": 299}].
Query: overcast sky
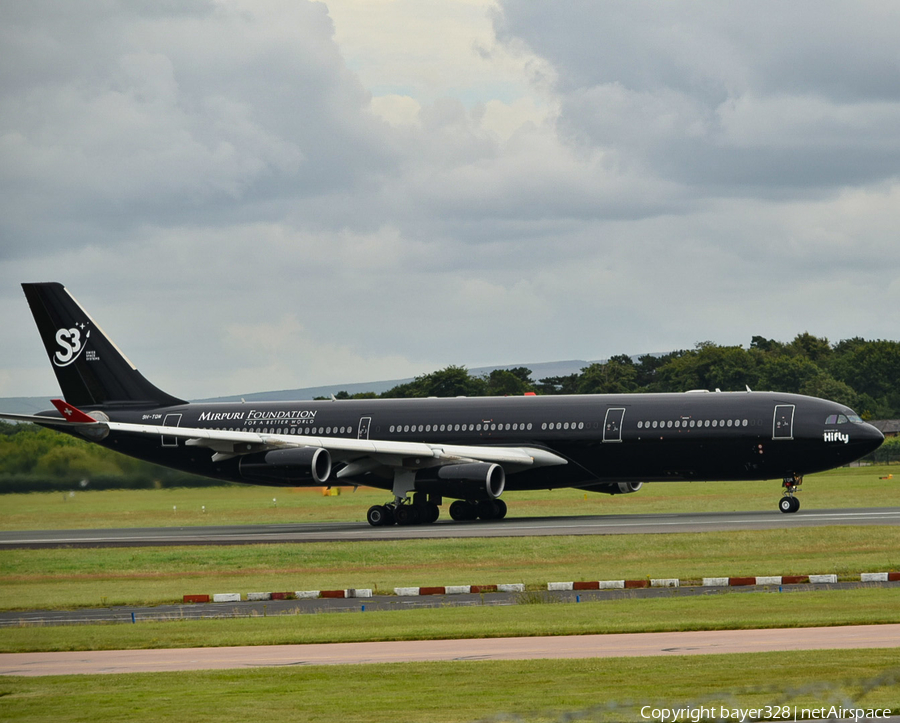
[{"x": 251, "y": 195}]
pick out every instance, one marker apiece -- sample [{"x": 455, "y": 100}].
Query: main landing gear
[
  {"x": 425, "y": 511},
  {"x": 791, "y": 485},
  {"x": 480, "y": 510},
  {"x": 422, "y": 510}
]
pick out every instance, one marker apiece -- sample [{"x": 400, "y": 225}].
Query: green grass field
[
  {"x": 60, "y": 578},
  {"x": 461, "y": 691},
  {"x": 239, "y": 504},
  {"x": 537, "y": 691},
  {"x": 729, "y": 611}
]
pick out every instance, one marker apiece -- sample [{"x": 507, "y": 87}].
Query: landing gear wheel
[
  {"x": 789, "y": 504},
  {"x": 430, "y": 513},
  {"x": 501, "y": 509},
  {"x": 791, "y": 485},
  {"x": 378, "y": 516},
  {"x": 462, "y": 510},
  {"x": 407, "y": 515},
  {"x": 487, "y": 510}
]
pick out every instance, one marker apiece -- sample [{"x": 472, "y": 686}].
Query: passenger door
[
  {"x": 364, "y": 424},
  {"x": 171, "y": 420},
  {"x": 783, "y": 424},
  {"x": 612, "y": 425}
]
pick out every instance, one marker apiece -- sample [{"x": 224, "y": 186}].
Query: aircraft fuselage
[{"x": 605, "y": 438}]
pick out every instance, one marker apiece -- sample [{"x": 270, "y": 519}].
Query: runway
[
  {"x": 513, "y": 527},
  {"x": 555, "y": 647}
]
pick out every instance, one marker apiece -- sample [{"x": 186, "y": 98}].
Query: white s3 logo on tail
[{"x": 72, "y": 344}]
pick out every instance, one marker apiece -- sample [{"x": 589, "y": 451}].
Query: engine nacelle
[
  {"x": 472, "y": 481},
  {"x": 614, "y": 488},
  {"x": 298, "y": 466}
]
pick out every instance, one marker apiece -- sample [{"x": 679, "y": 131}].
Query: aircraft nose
[{"x": 870, "y": 438}]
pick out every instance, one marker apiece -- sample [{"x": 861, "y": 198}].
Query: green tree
[
  {"x": 811, "y": 347},
  {"x": 786, "y": 374},
  {"x": 617, "y": 376},
  {"x": 825, "y": 386},
  {"x": 872, "y": 368},
  {"x": 508, "y": 382},
  {"x": 452, "y": 381}
]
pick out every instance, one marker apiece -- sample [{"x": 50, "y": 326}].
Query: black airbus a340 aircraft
[{"x": 424, "y": 450}]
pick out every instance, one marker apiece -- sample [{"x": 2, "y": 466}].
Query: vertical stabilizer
[{"x": 90, "y": 369}]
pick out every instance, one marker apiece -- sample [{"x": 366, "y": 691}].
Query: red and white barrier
[{"x": 762, "y": 580}]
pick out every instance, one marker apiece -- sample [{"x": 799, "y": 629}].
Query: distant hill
[
  {"x": 539, "y": 371},
  {"x": 542, "y": 370}
]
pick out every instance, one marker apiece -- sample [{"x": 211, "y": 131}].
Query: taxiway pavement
[{"x": 556, "y": 647}]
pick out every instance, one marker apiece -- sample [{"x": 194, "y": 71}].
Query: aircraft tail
[{"x": 90, "y": 369}]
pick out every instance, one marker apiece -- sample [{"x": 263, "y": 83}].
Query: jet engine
[
  {"x": 614, "y": 488},
  {"x": 470, "y": 481},
  {"x": 298, "y": 466}
]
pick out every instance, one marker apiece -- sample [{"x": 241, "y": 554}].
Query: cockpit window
[
  {"x": 836, "y": 419},
  {"x": 843, "y": 419}
]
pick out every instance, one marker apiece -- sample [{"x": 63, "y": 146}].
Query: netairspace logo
[{"x": 770, "y": 712}]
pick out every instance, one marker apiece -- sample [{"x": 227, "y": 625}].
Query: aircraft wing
[{"x": 224, "y": 444}]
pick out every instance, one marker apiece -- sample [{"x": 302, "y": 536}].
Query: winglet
[{"x": 72, "y": 414}]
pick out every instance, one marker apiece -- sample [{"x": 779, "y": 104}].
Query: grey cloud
[
  {"x": 213, "y": 187},
  {"x": 137, "y": 116},
  {"x": 737, "y": 98}
]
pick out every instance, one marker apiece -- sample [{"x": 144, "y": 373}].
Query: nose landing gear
[{"x": 791, "y": 485}]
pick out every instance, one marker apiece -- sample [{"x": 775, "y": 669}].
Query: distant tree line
[
  {"x": 34, "y": 459},
  {"x": 861, "y": 374}
]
